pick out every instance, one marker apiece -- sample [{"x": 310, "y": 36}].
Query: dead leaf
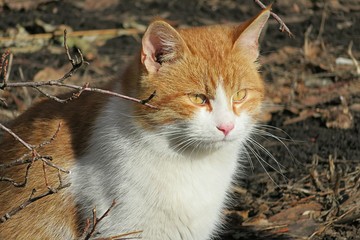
[
  {"x": 295, "y": 213},
  {"x": 98, "y": 4},
  {"x": 22, "y": 5},
  {"x": 338, "y": 117},
  {"x": 355, "y": 107},
  {"x": 259, "y": 220}
]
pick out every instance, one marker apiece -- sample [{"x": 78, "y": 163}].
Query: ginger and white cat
[{"x": 169, "y": 169}]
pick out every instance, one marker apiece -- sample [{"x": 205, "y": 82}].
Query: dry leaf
[
  {"x": 98, "y": 4},
  {"x": 295, "y": 213},
  {"x": 19, "y": 5}
]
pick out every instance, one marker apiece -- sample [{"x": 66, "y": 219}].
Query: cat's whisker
[
  {"x": 264, "y": 150},
  {"x": 261, "y": 161},
  {"x": 263, "y": 133},
  {"x": 269, "y": 127},
  {"x": 185, "y": 145},
  {"x": 249, "y": 159}
]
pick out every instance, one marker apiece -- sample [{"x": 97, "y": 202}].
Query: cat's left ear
[{"x": 250, "y": 33}]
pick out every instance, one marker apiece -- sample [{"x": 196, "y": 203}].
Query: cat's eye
[
  {"x": 239, "y": 96},
  {"x": 199, "y": 99}
]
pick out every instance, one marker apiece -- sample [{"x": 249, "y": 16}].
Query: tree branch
[
  {"x": 97, "y": 220},
  {"x": 76, "y": 63},
  {"x": 283, "y": 27}
]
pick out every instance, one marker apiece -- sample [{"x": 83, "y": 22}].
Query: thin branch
[
  {"x": 45, "y": 174},
  {"x": 4, "y": 64},
  {"x": 23, "y": 160},
  {"x": 349, "y": 52},
  {"x": 121, "y": 236},
  {"x": 31, "y": 199},
  {"x": 76, "y": 63},
  {"x": 28, "y": 146},
  {"x": 51, "y": 139},
  {"x": 74, "y": 95},
  {"x": 34, "y": 155},
  {"x": 86, "y": 228},
  {"x": 16, "y": 184},
  {"x": 283, "y": 26},
  {"x": 54, "y": 165},
  {"x": 145, "y": 101},
  {"x": 97, "y": 220},
  {"x": 31, "y": 158},
  {"x": 79, "y": 89}
]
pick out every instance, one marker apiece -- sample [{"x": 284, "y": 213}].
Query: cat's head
[{"x": 208, "y": 89}]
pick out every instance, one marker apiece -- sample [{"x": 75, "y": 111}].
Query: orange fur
[
  {"x": 211, "y": 55},
  {"x": 35, "y": 126}
]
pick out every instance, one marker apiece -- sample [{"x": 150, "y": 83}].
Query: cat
[{"x": 168, "y": 168}]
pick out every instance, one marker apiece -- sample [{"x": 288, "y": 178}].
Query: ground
[{"x": 308, "y": 186}]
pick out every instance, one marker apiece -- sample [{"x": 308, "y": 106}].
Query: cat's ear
[
  {"x": 161, "y": 44},
  {"x": 248, "y": 34}
]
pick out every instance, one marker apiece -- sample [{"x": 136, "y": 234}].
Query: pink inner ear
[
  {"x": 151, "y": 46},
  {"x": 161, "y": 43}
]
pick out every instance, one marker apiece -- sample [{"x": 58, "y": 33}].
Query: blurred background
[{"x": 308, "y": 186}]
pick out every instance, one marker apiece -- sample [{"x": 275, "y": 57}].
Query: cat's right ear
[
  {"x": 161, "y": 44},
  {"x": 248, "y": 38}
]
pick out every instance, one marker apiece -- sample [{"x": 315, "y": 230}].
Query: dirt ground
[{"x": 308, "y": 187}]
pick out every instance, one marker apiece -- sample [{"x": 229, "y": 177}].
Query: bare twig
[
  {"x": 54, "y": 165},
  {"x": 4, "y": 66},
  {"x": 349, "y": 52},
  {"x": 8, "y": 130},
  {"x": 46, "y": 142},
  {"x": 31, "y": 199},
  {"x": 86, "y": 229},
  {"x": 145, "y": 101},
  {"x": 283, "y": 27},
  {"x": 323, "y": 18},
  {"x": 45, "y": 174},
  {"x": 23, "y": 160},
  {"x": 97, "y": 220},
  {"x": 121, "y": 236},
  {"x": 16, "y": 184},
  {"x": 76, "y": 63},
  {"x": 31, "y": 158},
  {"x": 33, "y": 155},
  {"x": 78, "y": 88}
]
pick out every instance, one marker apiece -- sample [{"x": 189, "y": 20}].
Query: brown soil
[{"x": 312, "y": 98}]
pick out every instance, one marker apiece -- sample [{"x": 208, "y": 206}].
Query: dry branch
[
  {"x": 349, "y": 52},
  {"x": 9, "y": 131},
  {"x": 32, "y": 156},
  {"x": 76, "y": 63},
  {"x": 88, "y": 233},
  {"x": 29, "y": 159},
  {"x": 96, "y": 220},
  {"x": 31, "y": 199},
  {"x": 283, "y": 26}
]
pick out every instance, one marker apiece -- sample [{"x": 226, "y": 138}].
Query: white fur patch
[{"x": 160, "y": 189}]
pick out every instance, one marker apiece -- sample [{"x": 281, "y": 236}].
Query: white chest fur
[{"x": 165, "y": 194}]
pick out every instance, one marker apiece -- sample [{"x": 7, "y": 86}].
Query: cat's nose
[{"x": 226, "y": 128}]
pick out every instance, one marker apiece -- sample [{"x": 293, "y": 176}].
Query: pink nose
[{"x": 225, "y": 128}]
